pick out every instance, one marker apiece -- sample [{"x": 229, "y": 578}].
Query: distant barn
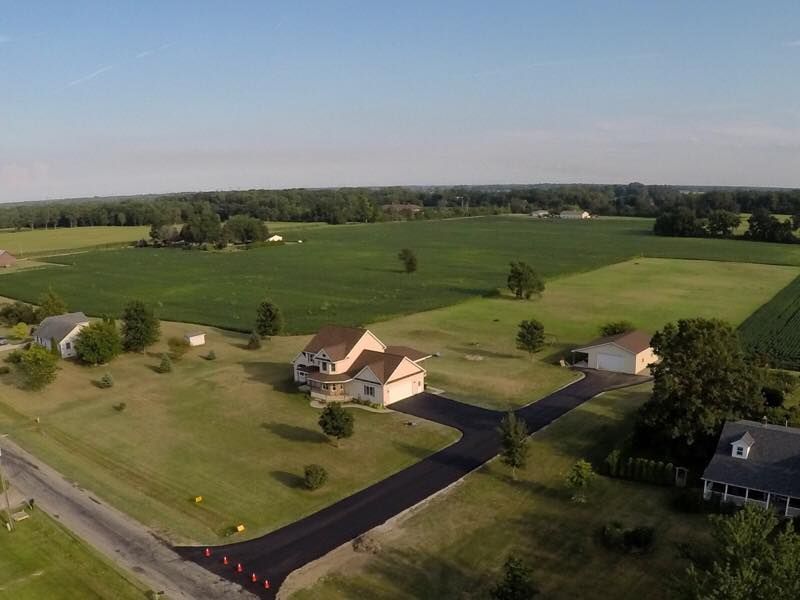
[{"x": 7, "y": 259}]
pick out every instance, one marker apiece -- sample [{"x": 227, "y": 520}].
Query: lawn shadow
[
  {"x": 293, "y": 433},
  {"x": 275, "y": 374},
  {"x": 290, "y": 480}
]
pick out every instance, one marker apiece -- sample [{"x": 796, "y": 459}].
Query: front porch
[
  {"x": 787, "y": 506},
  {"x": 328, "y": 392}
]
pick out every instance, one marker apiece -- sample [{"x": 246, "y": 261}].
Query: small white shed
[
  {"x": 275, "y": 238},
  {"x": 197, "y": 338}
]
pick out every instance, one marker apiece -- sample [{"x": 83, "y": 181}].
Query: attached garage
[{"x": 622, "y": 353}]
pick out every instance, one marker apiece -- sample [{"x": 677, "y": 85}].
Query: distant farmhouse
[
  {"x": 575, "y": 214},
  {"x": 540, "y": 214},
  {"x": 275, "y": 238},
  {"x": 628, "y": 352},
  {"x": 349, "y": 363},
  {"x": 59, "y": 332},
  {"x": 756, "y": 463},
  {"x": 7, "y": 259},
  {"x": 407, "y": 210}
]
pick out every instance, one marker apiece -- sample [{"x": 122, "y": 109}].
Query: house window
[
  {"x": 739, "y": 451},
  {"x": 333, "y": 367},
  {"x": 324, "y": 386},
  {"x": 69, "y": 345},
  {"x": 369, "y": 390}
]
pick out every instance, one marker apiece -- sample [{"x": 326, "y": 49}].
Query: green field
[
  {"x": 42, "y": 560},
  {"x": 456, "y": 545},
  {"x": 774, "y": 329},
  {"x": 349, "y": 274},
  {"x": 43, "y": 241}
]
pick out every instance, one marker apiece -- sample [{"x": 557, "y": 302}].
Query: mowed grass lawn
[
  {"x": 232, "y": 430},
  {"x": 350, "y": 274},
  {"x": 42, "y": 560},
  {"x": 479, "y": 361},
  {"x": 40, "y": 241},
  {"x": 454, "y": 546}
]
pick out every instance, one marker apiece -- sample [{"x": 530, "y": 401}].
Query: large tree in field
[
  {"x": 530, "y": 336},
  {"x": 50, "y": 304},
  {"x": 37, "y": 367},
  {"x": 701, "y": 381},
  {"x": 523, "y": 281},
  {"x": 754, "y": 558},
  {"x": 244, "y": 229},
  {"x": 336, "y": 422},
  {"x": 269, "y": 320},
  {"x": 140, "y": 327},
  {"x": 98, "y": 342},
  {"x": 514, "y": 442},
  {"x": 722, "y": 223}
]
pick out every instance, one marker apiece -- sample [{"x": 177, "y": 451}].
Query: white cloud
[
  {"x": 90, "y": 76},
  {"x": 150, "y": 51}
]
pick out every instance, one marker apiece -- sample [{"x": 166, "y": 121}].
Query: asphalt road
[{"x": 277, "y": 554}]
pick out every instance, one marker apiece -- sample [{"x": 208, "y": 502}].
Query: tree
[
  {"x": 38, "y": 367},
  {"x": 579, "y": 478},
  {"x": 254, "y": 341},
  {"x": 269, "y": 320},
  {"x": 202, "y": 226},
  {"x": 140, "y": 327},
  {"x": 701, "y": 380},
  {"x": 20, "y": 331},
  {"x": 722, "y": 223},
  {"x": 314, "y": 476},
  {"x": 615, "y": 328},
  {"x": 98, "y": 342},
  {"x": 336, "y": 422},
  {"x": 51, "y": 304},
  {"x": 754, "y": 559},
  {"x": 165, "y": 366},
  {"x": 18, "y": 312},
  {"x": 244, "y": 229},
  {"x": 514, "y": 442},
  {"x": 517, "y": 582},
  {"x": 530, "y": 336},
  {"x": 409, "y": 259},
  {"x": 681, "y": 222},
  {"x": 523, "y": 281}
]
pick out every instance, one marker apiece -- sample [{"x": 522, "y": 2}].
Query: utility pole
[{"x": 4, "y": 482}]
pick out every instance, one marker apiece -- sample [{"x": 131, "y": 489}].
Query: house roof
[
  {"x": 633, "y": 341},
  {"x": 772, "y": 465},
  {"x": 382, "y": 364},
  {"x": 5, "y": 255},
  {"x": 58, "y": 326},
  {"x": 337, "y": 341},
  {"x": 410, "y": 353}
]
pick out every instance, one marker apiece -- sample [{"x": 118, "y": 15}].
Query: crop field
[
  {"x": 350, "y": 275},
  {"x": 774, "y": 329},
  {"x": 43, "y": 241}
]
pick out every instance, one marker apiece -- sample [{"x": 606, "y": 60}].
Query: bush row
[{"x": 639, "y": 469}]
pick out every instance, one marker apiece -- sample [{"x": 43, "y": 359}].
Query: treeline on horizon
[{"x": 344, "y": 205}]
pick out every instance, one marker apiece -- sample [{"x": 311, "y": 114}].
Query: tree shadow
[
  {"x": 479, "y": 351},
  {"x": 293, "y": 433},
  {"x": 290, "y": 480},
  {"x": 276, "y": 374}
]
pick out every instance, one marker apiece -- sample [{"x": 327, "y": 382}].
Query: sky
[{"x": 116, "y": 97}]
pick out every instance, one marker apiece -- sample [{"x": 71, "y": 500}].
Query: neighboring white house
[
  {"x": 275, "y": 238},
  {"x": 196, "y": 338},
  {"x": 575, "y": 214},
  {"x": 346, "y": 363},
  {"x": 60, "y": 332},
  {"x": 756, "y": 463},
  {"x": 540, "y": 214},
  {"x": 623, "y": 353}
]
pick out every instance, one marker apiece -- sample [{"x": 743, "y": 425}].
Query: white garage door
[
  {"x": 398, "y": 391},
  {"x": 610, "y": 362}
]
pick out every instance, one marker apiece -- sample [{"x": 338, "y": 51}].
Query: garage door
[
  {"x": 398, "y": 391},
  {"x": 610, "y": 362}
]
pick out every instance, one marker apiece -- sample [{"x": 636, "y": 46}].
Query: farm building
[
  {"x": 346, "y": 363},
  {"x": 756, "y": 463},
  {"x": 60, "y": 331},
  {"x": 7, "y": 259},
  {"x": 275, "y": 238},
  {"x": 575, "y": 214},
  {"x": 540, "y": 214},
  {"x": 196, "y": 338},
  {"x": 628, "y": 352}
]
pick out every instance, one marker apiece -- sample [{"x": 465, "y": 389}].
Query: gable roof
[
  {"x": 337, "y": 341},
  {"x": 410, "y": 353},
  {"x": 633, "y": 341},
  {"x": 772, "y": 465},
  {"x": 382, "y": 364},
  {"x": 57, "y": 327}
]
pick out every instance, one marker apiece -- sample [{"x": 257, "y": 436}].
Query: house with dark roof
[
  {"x": 756, "y": 463},
  {"x": 347, "y": 363},
  {"x": 628, "y": 352},
  {"x": 59, "y": 332}
]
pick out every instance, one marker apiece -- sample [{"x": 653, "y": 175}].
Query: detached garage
[{"x": 622, "y": 353}]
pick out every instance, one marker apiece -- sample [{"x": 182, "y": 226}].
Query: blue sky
[{"x": 102, "y": 98}]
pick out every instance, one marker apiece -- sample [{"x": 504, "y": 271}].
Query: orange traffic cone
[
  {"x": 207, "y": 552},
  {"x": 253, "y": 578},
  {"x": 239, "y": 568},
  {"x": 266, "y": 584}
]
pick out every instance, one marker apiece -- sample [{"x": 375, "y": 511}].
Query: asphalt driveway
[{"x": 277, "y": 554}]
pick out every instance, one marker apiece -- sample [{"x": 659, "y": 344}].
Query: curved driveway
[{"x": 277, "y": 554}]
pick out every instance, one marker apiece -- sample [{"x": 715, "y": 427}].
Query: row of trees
[
  {"x": 366, "y": 204},
  {"x": 762, "y": 225}
]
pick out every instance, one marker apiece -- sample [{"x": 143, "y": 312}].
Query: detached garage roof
[
  {"x": 635, "y": 341},
  {"x": 57, "y": 327}
]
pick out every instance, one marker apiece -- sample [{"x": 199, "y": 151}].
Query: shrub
[
  {"x": 14, "y": 357},
  {"x": 38, "y": 367},
  {"x": 165, "y": 366},
  {"x": 106, "y": 381},
  {"x": 616, "y": 327},
  {"x": 773, "y": 397},
  {"x": 5, "y": 370},
  {"x": 254, "y": 341},
  {"x": 211, "y": 355},
  {"x": 366, "y": 544},
  {"x": 315, "y": 476},
  {"x": 98, "y": 342},
  {"x": 20, "y": 330},
  {"x": 631, "y": 541},
  {"x": 178, "y": 347},
  {"x": 612, "y": 463},
  {"x": 120, "y": 407}
]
